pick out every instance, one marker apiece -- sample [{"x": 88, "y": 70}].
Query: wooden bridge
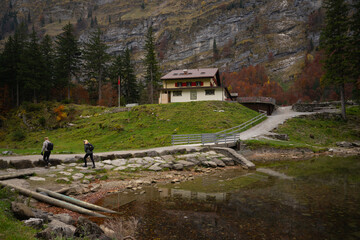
[{"x": 258, "y": 104}]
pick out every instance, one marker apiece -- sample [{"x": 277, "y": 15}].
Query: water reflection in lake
[{"x": 272, "y": 208}]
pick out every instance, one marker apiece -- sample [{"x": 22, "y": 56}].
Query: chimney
[{"x": 185, "y": 71}]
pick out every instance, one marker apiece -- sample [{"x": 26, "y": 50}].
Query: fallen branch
[
  {"x": 53, "y": 201},
  {"x": 75, "y": 201}
]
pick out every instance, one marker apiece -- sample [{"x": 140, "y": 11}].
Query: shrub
[
  {"x": 42, "y": 121},
  {"x": 18, "y": 135}
]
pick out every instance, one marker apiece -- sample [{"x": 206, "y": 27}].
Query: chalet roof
[{"x": 191, "y": 73}]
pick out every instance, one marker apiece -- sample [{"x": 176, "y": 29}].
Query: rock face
[{"x": 246, "y": 32}]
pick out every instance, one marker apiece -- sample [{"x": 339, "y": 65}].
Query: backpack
[
  {"x": 91, "y": 147},
  {"x": 50, "y": 146}
]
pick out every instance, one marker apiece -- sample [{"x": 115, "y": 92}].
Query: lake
[{"x": 311, "y": 199}]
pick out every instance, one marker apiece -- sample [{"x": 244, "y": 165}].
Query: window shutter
[
  {"x": 201, "y": 83},
  {"x": 176, "y": 84},
  {"x": 193, "y": 83},
  {"x": 183, "y": 84}
]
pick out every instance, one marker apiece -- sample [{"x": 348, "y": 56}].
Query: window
[
  {"x": 210, "y": 92},
  {"x": 177, "y": 93},
  {"x": 188, "y": 84},
  {"x": 198, "y": 84}
]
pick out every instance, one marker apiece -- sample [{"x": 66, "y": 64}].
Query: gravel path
[{"x": 278, "y": 117}]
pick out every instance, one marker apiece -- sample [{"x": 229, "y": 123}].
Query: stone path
[{"x": 74, "y": 173}]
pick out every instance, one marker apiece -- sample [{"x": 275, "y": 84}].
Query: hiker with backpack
[
  {"x": 46, "y": 150},
  {"x": 88, "y": 147}
]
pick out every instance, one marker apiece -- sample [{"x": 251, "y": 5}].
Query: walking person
[
  {"x": 88, "y": 147},
  {"x": 46, "y": 150}
]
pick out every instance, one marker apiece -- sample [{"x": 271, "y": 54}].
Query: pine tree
[
  {"x": 47, "y": 52},
  {"x": 355, "y": 53},
  {"x": 335, "y": 41},
  {"x": 32, "y": 68},
  {"x": 96, "y": 58},
  {"x": 12, "y": 60},
  {"x": 152, "y": 77},
  {"x": 67, "y": 57},
  {"x": 131, "y": 88}
]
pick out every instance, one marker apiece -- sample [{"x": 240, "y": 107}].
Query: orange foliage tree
[
  {"x": 253, "y": 81},
  {"x": 307, "y": 86},
  {"x": 109, "y": 95}
]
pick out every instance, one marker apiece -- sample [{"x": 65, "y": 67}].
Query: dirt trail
[{"x": 277, "y": 118}]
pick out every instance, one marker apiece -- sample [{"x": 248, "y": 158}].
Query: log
[
  {"x": 53, "y": 201},
  {"x": 10, "y": 176},
  {"x": 75, "y": 201}
]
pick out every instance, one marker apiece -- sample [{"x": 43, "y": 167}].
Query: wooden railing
[{"x": 229, "y": 135}]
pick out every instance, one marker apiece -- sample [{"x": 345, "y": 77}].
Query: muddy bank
[{"x": 263, "y": 154}]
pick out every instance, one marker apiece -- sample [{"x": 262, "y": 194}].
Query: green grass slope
[
  {"x": 316, "y": 131},
  {"x": 144, "y": 126}
]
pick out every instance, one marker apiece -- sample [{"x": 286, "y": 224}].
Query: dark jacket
[{"x": 87, "y": 148}]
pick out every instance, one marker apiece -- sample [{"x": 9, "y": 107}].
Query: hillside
[
  {"x": 276, "y": 33},
  {"x": 144, "y": 126}
]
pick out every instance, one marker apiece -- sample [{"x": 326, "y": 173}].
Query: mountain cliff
[{"x": 276, "y": 33}]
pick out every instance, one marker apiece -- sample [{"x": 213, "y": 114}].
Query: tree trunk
[
  {"x": 34, "y": 97},
  {"x": 342, "y": 96},
  {"x": 17, "y": 93},
  {"x": 69, "y": 81},
  {"x": 100, "y": 83}
]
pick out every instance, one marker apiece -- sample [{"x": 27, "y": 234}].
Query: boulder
[
  {"x": 121, "y": 168},
  {"x": 283, "y": 137},
  {"x": 87, "y": 229},
  {"x": 21, "y": 211},
  {"x": 37, "y": 179},
  {"x": 228, "y": 161},
  {"x": 152, "y": 153},
  {"x": 63, "y": 217},
  {"x": 186, "y": 164},
  {"x": 107, "y": 161},
  {"x": 155, "y": 167},
  {"x": 95, "y": 187},
  {"x": 42, "y": 215},
  {"x": 3, "y": 164},
  {"x": 355, "y": 144},
  {"x": 134, "y": 165},
  {"x": 124, "y": 155},
  {"x": 178, "y": 166},
  {"x": 54, "y": 161},
  {"x": 77, "y": 176},
  {"x": 218, "y": 162},
  {"x": 108, "y": 167},
  {"x": 168, "y": 158},
  {"x": 209, "y": 164},
  {"x": 119, "y": 162},
  {"x": 139, "y": 154},
  {"x": 193, "y": 160},
  {"x": 167, "y": 165},
  {"x": 57, "y": 229},
  {"x": 344, "y": 144},
  {"x": 21, "y": 164},
  {"x": 34, "y": 223}
]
